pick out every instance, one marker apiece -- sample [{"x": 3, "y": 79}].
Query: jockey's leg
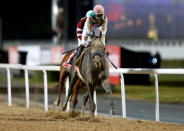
[
  {"x": 76, "y": 55},
  {"x": 72, "y": 69},
  {"x": 71, "y": 60}
]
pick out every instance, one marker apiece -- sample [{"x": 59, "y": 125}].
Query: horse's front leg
[
  {"x": 90, "y": 90},
  {"x": 85, "y": 98},
  {"x": 105, "y": 85}
]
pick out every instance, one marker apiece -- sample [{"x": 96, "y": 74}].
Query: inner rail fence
[{"x": 121, "y": 71}]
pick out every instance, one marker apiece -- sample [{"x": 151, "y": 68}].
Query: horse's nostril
[{"x": 98, "y": 64}]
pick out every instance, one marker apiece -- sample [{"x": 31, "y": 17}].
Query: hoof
[
  {"x": 70, "y": 99},
  {"x": 112, "y": 112},
  {"x": 92, "y": 115},
  {"x": 60, "y": 104},
  {"x": 81, "y": 115},
  {"x": 63, "y": 106},
  {"x": 56, "y": 103},
  {"x": 63, "y": 109}
]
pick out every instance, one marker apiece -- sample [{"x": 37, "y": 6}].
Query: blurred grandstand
[{"x": 147, "y": 32}]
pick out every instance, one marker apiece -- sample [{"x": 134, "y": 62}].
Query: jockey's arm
[
  {"x": 89, "y": 25},
  {"x": 104, "y": 30},
  {"x": 86, "y": 31}
]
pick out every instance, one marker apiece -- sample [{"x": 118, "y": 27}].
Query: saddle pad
[{"x": 66, "y": 63}]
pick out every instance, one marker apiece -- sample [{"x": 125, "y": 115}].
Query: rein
[{"x": 111, "y": 62}]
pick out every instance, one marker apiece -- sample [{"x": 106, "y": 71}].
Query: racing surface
[
  {"x": 18, "y": 118},
  {"x": 135, "y": 109}
]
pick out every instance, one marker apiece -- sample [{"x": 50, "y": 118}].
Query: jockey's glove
[{"x": 90, "y": 33}]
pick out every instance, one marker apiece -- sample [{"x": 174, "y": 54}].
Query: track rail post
[
  {"x": 45, "y": 90},
  {"x": 157, "y": 98},
  {"x": 9, "y": 87},
  {"x": 95, "y": 100},
  {"x": 123, "y": 96},
  {"x": 27, "y": 88}
]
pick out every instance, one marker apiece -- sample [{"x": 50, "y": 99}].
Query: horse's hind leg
[
  {"x": 62, "y": 79},
  {"x": 105, "y": 85},
  {"x": 71, "y": 83},
  {"x": 70, "y": 91}
]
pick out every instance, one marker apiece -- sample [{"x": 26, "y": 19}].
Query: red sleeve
[
  {"x": 80, "y": 26},
  {"x": 81, "y": 23}
]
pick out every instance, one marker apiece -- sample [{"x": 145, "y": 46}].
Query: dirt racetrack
[{"x": 17, "y": 118}]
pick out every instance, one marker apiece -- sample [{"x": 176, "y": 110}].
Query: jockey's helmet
[
  {"x": 99, "y": 11},
  {"x": 89, "y": 12}
]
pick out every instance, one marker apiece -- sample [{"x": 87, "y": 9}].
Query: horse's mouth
[
  {"x": 97, "y": 61},
  {"x": 98, "y": 65}
]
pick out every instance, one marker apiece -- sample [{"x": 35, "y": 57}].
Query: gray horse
[{"x": 93, "y": 71}]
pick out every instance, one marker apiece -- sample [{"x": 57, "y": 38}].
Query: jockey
[
  {"x": 80, "y": 26},
  {"x": 79, "y": 30},
  {"x": 95, "y": 23}
]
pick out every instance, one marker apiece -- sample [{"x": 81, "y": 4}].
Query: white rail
[{"x": 121, "y": 71}]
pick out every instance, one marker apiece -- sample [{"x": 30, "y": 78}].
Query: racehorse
[{"x": 93, "y": 70}]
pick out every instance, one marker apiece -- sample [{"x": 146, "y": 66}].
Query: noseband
[{"x": 96, "y": 53}]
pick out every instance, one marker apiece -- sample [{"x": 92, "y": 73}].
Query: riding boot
[{"x": 77, "y": 54}]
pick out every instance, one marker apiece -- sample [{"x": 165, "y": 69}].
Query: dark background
[{"x": 22, "y": 19}]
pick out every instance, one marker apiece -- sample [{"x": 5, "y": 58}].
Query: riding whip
[
  {"x": 111, "y": 62},
  {"x": 121, "y": 74}
]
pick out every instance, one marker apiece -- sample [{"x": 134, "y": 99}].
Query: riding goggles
[{"x": 99, "y": 15}]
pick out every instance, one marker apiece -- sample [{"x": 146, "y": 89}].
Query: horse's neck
[{"x": 86, "y": 58}]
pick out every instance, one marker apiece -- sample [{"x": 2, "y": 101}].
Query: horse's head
[{"x": 97, "y": 51}]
